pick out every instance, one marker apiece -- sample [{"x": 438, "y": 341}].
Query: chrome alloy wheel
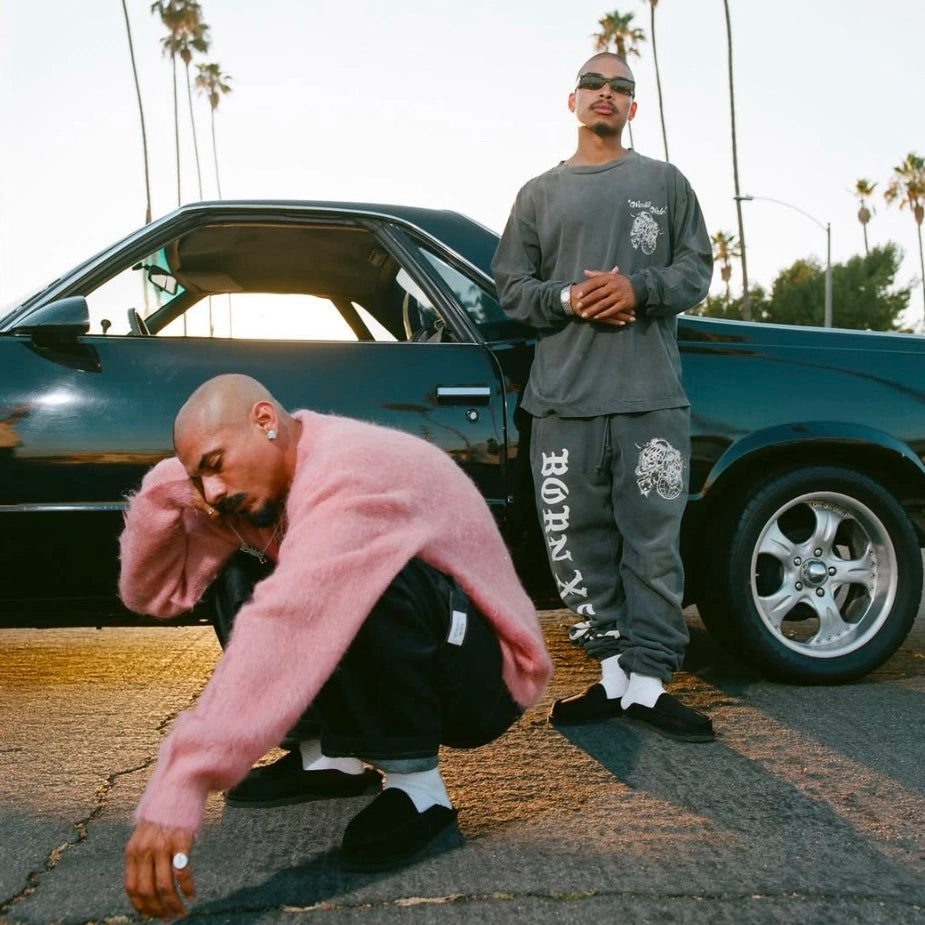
[{"x": 824, "y": 574}]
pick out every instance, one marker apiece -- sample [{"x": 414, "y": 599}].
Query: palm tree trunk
[
  {"x": 658, "y": 79},
  {"x": 218, "y": 182},
  {"x": 192, "y": 122},
  {"x": 141, "y": 113},
  {"x": 746, "y": 299},
  {"x": 176, "y": 137},
  {"x": 866, "y": 248},
  {"x": 922, "y": 264}
]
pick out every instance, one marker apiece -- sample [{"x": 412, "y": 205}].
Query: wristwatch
[{"x": 565, "y": 297}]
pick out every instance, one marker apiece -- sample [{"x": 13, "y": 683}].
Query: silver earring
[{"x": 271, "y": 434}]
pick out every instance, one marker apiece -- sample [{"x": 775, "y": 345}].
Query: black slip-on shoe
[
  {"x": 390, "y": 833},
  {"x": 285, "y": 781},
  {"x": 671, "y": 718},
  {"x": 590, "y": 706}
]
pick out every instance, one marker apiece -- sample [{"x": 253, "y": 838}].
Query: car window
[
  {"x": 268, "y": 280},
  {"x": 111, "y": 302},
  {"x": 478, "y": 303},
  {"x": 271, "y": 316}
]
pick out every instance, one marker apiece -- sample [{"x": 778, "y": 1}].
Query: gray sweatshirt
[{"x": 635, "y": 213}]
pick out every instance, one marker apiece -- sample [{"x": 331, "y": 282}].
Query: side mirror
[{"x": 64, "y": 318}]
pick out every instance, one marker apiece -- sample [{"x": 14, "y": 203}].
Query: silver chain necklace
[{"x": 259, "y": 554}]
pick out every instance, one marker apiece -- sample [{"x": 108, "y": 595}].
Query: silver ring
[{"x": 180, "y": 860}]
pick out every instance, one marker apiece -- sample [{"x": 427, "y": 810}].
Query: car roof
[{"x": 463, "y": 235}]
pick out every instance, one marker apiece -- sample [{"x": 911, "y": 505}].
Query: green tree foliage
[
  {"x": 864, "y": 295},
  {"x": 719, "y": 306}
]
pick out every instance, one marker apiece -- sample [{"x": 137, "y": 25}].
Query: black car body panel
[{"x": 83, "y": 412}]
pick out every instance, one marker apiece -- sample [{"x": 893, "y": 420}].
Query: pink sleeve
[{"x": 169, "y": 550}]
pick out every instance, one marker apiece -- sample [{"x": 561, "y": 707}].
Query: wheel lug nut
[
  {"x": 797, "y": 560},
  {"x": 799, "y": 586},
  {"x": 819, "y": 592},
  {"x": 831, "y": 569},
  {"x": 817, "y": 553}
]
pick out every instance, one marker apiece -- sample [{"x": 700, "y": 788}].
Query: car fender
[{"x": 800, "y": 435}]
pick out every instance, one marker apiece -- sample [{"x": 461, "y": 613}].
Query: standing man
[
  {"x": 393, "y": 609},
  {"x": 600, "y": 254}
]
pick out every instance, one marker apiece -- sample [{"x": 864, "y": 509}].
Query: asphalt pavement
[{"x": 810, "y": 806}]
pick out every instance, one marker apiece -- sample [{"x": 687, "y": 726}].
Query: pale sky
[{"x": 454, "y": 105}]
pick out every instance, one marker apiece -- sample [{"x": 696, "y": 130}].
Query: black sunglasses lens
[
  {"x": 596, "y": 81},
  {"x": 591, "y": 82}
]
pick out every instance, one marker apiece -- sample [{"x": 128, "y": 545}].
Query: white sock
[
  {"x": 426, "y": 788},
  {"x": 642, "y": 689},
  {"x": 613, "y": 678},
  {"x": 314, "y": 760}
]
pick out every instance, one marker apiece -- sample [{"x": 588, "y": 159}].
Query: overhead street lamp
[{"x": 827, "y": 228}]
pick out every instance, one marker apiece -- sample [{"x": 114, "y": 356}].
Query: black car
[{"x": 803, "y": 532}]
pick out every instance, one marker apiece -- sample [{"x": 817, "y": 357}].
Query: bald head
[
  {"x": 611, "y": 58},
  {"x": 238, "y": 446},
  {"x": 224, "y": 401}
]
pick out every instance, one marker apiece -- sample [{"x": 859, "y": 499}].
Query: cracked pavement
[{"x": 809, "y": 808}]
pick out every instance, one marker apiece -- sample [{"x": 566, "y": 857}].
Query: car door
[{"x": 92, "y": 413}]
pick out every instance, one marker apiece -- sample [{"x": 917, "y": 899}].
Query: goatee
[
  {"x": 265, "y": 516},
  {"x": 605, "y": 129}
]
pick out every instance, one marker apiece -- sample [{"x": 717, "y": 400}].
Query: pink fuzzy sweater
[{"x": 364, "y": 500}]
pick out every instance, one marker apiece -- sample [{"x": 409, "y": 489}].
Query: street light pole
[{"x": 827, "y": 228}]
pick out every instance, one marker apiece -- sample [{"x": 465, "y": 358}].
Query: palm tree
[
  {"x": 141, "y": 113},
  {"x": 908, "y": 189},
  {"x": 658, "y": 79},
  {"x": 725, "y": 246},
  {"x": 196, "y": 38},
  {"x": 618, "y": 28},
  {"x": 169, "y": 17},
  {"x": 211, "y": 80},
  {"x": 185, "y": 33},
  {"x": 864, "y": 189},
  {"x": 746, "y": 299}
]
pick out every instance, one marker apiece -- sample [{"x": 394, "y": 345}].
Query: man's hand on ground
[{"x": 152, "y": 883}]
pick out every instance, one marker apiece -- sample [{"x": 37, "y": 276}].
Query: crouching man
[{"x": 393, "y": 610}]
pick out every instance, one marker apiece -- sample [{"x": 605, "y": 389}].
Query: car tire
[{"x": 819, "y": 579}]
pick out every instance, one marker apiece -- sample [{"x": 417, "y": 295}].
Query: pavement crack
[{"x": 101, "y": 796}]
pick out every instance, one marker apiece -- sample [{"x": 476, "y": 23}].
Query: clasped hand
[{"x": 606, "y": 296}]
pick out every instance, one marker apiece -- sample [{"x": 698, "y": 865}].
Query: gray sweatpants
[{"x": 610, "y": 493}]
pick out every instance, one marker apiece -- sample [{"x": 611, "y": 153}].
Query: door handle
[{"x": 463, "y": 394}]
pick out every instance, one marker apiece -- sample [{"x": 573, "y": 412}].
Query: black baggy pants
[{"x": 424, "y": 670}]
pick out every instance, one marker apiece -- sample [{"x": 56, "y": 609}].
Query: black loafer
[
  {"x": 285, "y": 782},
  {"x": 390, "y": 833},
  {"x": 671, "y": 718},
  {"x": 590, "y": 706}
]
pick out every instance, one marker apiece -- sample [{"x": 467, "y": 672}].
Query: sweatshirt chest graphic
[{"x": 645, "y": 229}]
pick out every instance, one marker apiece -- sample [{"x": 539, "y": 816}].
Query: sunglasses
[{"x": 592, "y": 81}]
